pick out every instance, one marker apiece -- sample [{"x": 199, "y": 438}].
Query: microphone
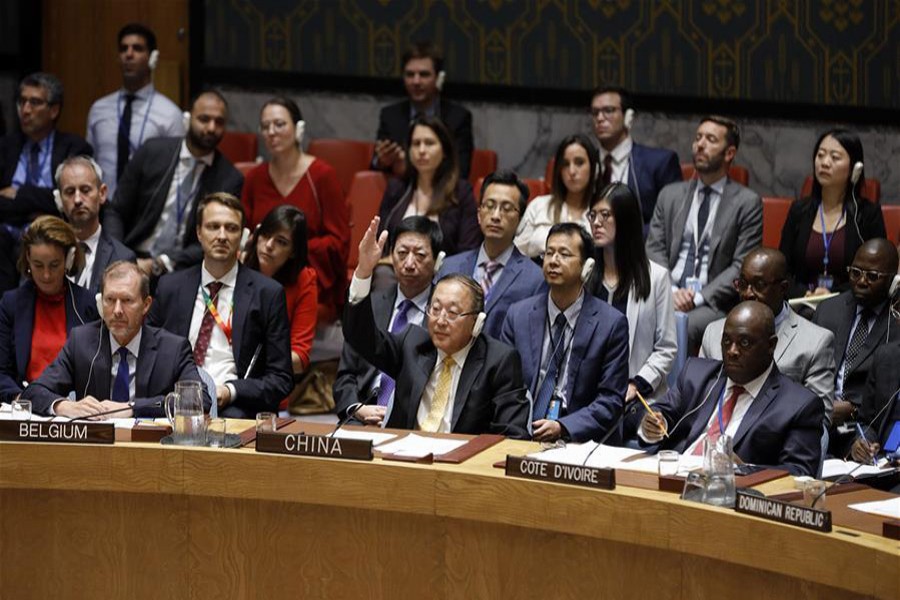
[
  {"x": 625, "y": 412},
  {"x": 128, "y": 406},
  {"x": 351, "y": 412}
]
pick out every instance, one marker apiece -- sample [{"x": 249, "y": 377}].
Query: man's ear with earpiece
[
  {"x": 57, "y": 200},
  {"x": 98, "y": 298},
  {"x": 587, "y": 269},
  {"x": 153, "y": 61},
  {"x": 628, "y": 121},
  {"x": 70, "y": 259},
  {"x": 441, "y": 78},
  {"x": 439, "y": 261},
  {"x": 479, "y": 324},
  {"x": 186, "y": 120}
]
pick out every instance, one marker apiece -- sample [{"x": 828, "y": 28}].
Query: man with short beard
[
  {"x": 153, "y": 211},
  {"x": 702, "y": 229}
]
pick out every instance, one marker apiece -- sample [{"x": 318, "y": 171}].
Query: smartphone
[{"x": 893, "y": 440}]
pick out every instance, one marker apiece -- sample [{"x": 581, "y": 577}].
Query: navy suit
[
  {"x": 519, "y": 279},
  {"x": 880, "y": 408},
  {"x": 650, "y": 170},
  {"x": 16, "y": 325},
  {"x": 259, "y": 321},
  {"x": 109, "y": 250},
  {"x": 781, "y": 429},
  {"x": 597, "y": 375},
  {"x": 83, "y": 368}
]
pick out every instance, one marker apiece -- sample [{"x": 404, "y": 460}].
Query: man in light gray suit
[
  {"x": 702, "y": 229},
  {"x": 804, "y": 351}
]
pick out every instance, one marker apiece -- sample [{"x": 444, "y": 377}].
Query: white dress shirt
[
  {"x": 531, "y": 237},
  {"x": 621, "y": 160},
  {"x": 459, "y": 358},
  {"x": 690, "y": 226},
  {"x": 133, "y": 346},
  {"x": 90, "y": 256},
  {"x": 219, "y": 361}
]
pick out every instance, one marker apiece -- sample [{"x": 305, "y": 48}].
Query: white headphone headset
[
  {"x": 857, "y": 172},
  {"x": 154, "y": 60},
  {"x": 57, "y": 200},
  {"x": 629, "y": 119},
  {"x": 98, "y": 298},
  {"x": 70, "y": 259},
  {"x": 186, "y": 120},
  {"x": 441, "y": 78},
  {"x": 439, "y": 261},
  {"x": 479, "y": 324},
  {"x": 299, "y": 130},
  {"x": 895, "y": 286},
  {"x": 587, "y": 269}
]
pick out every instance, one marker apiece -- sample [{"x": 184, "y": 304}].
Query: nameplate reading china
[
  {"x": 53, "y": 431},
  {"x": 313, "y": 445},
  {"x": 783, "y": 512},
  {"x": 541, "y": 470}
]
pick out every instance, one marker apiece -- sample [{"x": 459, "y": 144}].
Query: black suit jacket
[
  {"x": 393, "y": 124},
  {"x": 109, "y": 250},
  {"x": 163, "y": 359},
  {"x": 837, "y": 314},
  {"x": 880, "y": 407},
  {"x": 31, "y": 200},
  {"x": 782, "y": 428},
  {"x": 259, "y": 321},
  {"x": 490, "y": 396},
  {"x": 142, "y": 190},
  {"x": 798, "y": 227}
]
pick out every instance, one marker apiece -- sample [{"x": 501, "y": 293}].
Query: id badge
[
  {"x": 555, "y": 407},
  {"x": 693, "y": 284},
  {"x": 826, "y": 281}
]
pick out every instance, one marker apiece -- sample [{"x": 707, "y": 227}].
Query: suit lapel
[
  {"x": 101, "y": 259},
  {"x": 632, "y": 313},
  {"x": 875, "y": 337},
  {"x": 538, "y": 323},
  {"x": 471, "y": 368},
  {"x": 507, "y": 276},
  {"x": 243, "y": 299},
  {"x": 102, "y": 389},
  {"x": 703, "y": 414},
  {"x": 679, "y": 224},
  {"x": 25, "y": 300},
  {"x": 581, "y": 338},
  {"x": 183, "y": 307},
  {"x": 787, "y": 334},
  {"x": 842, "y": 330},
  {"x": 758, "y": 406},
  {"x": 383, "y": 306},
  {"x": 145, "y": 363},
  {"x": 425, "y": 361},
  {"x": 723, "y": 216}
]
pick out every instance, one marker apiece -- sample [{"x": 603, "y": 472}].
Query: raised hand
[{"x": 371, "y": 248}]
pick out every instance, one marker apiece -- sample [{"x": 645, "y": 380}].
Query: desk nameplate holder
[
  {"x": 783, "y": 512},
  {"x": 300, "y": 444},
  {"x": 541, "y": 470},
  {"x": 77, "y": 432}
]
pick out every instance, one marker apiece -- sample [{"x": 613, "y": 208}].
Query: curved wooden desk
[{"x": 143, "y": 521}]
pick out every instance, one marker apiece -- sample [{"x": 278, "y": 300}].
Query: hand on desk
[
  {"x": 863, "y": 451},
  {"x": 125, "y": 411},
  {"x": 546, "y": 430},
  {"x": 371, "y": 415},
  {"x": 653, "y": 428},
  {"x": 85, "y": 407},
  {"x": 223, "y": 396}
]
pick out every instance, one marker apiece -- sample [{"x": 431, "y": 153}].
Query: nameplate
[
  {"x": 313, "y": 445},
  {"x": 54, "y": 431},
  {"x": 542, "y": 470},
  {"x": 783, "y": 512}
]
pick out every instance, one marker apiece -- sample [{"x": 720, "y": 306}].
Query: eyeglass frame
[
  {"x": 606, "y": 111},
  {"x": 451, "y": 316},
  {"x": 869, "y": 274},
  {"x": 489, "y": 206},
  {"x": 34, "y": 103},
  {"x": 593, "y": 214},
  {"x": 736, "y": 283}
]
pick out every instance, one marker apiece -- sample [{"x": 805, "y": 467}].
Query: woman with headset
[
  {"x": 823, "y": 232},
  {"x": 575, "y": 173},
  {"x": 278, "y": 249},
  {"x": 36, "y": 317},
  {"x": 432, "y": 187},
  {"x": 636, "y": 286},
  {"x": 293, "y": 177}
]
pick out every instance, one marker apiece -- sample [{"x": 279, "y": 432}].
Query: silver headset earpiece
[
  {"x": 57, "y": 200},
  {"x": 895, "y": 286},
  {"x": 98, "y": 298},
  {"x": 186, "y": 120},
  {"x": 587, "y": 269},
  {"x": 154, "y": 60},
  {"x": 299, "y": 130},
  {"x": 629, "y": 118},
  {"x": 857, "y": 172},
  {"x": 479, "y": 324},
  {"x": 441, "y": 78},
  {"x": 70, "y": 259},
  {"x": 439, "y": 261}
]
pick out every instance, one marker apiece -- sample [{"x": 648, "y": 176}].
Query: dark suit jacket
[
  {"x": 490, "y": 397},
  {"x": 259, "y": 320},
  {"x": 16, "y": 325},
  {"x": 597, "y": 366},
  {"x": 355, "y": 374},
  {"x": 31, "y": 200},
  {"x": 880, "y": 407},
  {"x": 798, "y": 227},
  {"x": 163, "y": 359},
  {"x": 459, "y": 222},
  {"x": 109, "y": 250},
  {"x": 520, "y": 279},
  {"x": 142, "y": 190},
  {"x": 837, "y": 314},
  {"x": 737, "y": 230},
  {"x": 393, "y": 124},
  {"x": 651, "y": 170},
  {"x": 782, "y": 428}
]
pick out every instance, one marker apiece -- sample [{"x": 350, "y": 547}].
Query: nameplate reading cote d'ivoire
[
  {"x": 783, "y": 512},
  {"x": 529, "y": 468},
  {"x": 55, "y": 431},
  {"x": 313, "y": 445}
]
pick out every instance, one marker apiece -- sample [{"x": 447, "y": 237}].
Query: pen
[
  {"x": 862, "y": 435},
  {"x": 652, "y": 414}
]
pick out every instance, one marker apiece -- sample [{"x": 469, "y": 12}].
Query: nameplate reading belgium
[
  {"x": 529, "y": 468},
  {"x": 54, "y": 431},
  {"x": 313, "y": 445},
  {"x": 783, "y": 512}
]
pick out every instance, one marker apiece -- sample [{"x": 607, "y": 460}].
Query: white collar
[
  {"x": 227, "y": 279},
  {"x": 753, "y": 386},
  {"x": 459, "y": 357},
  {"x": 184, "y": 154},
  {"x": 620, "y": 153},
  {"x": 93, "y": 240},
  {"x": 133, "y": 346}
]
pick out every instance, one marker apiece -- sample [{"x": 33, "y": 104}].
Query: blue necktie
[
  {"x": 33, "y": 176},
  {"x": 120, "y": 385},
  {"x": 548, "y": 386},
  {"x": 400, "y": 323}
]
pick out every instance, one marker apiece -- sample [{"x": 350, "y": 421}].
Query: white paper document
[
  {"x": 883, "y": 508},
  {"x": 611, "y": 457},
  {"x": 376, "y": 437},
  {"x": 417, "y": 446},
  {"x": 835, "y": 467}
]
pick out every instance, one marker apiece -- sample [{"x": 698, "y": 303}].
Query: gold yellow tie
[{"x": 441, "y": 397}]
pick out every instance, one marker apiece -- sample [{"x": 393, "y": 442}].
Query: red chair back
[
  {"x": 775, "y": 212},
  {"x": 244, "y": 167},
  {"x": 484, "y": 162},
  {"x": 891, "y": 213},
  {"x": 347, "y": 157},
  {"x": 239, "y": 146},
  {"x": 871, "y": 189},
  {"x": 364, "y": 199}
]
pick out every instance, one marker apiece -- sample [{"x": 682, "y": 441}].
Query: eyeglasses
[
  {"x": 599, "y": 216},
  {"x": 506, "y": 208},
  {"x": 759, "y": 286},
  {"x": 871, "y": 276},
  {"x": 278, "y": 125},
  {"x": 606, "y": 111},
  {"x": 562, "y": 254},
  {"x": 32, "y": 102},
  {"x": 436, "y": 312}
]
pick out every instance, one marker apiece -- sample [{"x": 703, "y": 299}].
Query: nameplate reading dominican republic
[
  {"x": 541, "y": 470},
  {"x": 313, "y": 445},
  {"x": 78, "y": 432},
  {"x": 783, "y": 512}
]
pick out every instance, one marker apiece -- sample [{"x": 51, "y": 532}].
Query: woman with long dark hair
[{"x": 636, "y": 286}]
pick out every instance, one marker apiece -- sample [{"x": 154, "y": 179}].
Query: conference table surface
[{"x": 141, "y": 520}]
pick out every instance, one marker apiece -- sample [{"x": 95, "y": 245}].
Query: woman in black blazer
[{"x": 835, "y": 216}]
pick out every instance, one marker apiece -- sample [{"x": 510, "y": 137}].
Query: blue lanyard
[
  {"x": 143, "y": 123},
  {"x": 826, "y": 240}
]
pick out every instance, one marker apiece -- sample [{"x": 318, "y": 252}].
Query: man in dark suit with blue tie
[
  {"x": 644, "y": 169},
  {"x": 117, "y": 364},
  {"x": 772, "y": 420},
  {"x": 574, "y": 347},
  {"x": 234, "y": 317},
  {"x": 82, "y": 194},
  {"x": 505, "y": 274}
]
